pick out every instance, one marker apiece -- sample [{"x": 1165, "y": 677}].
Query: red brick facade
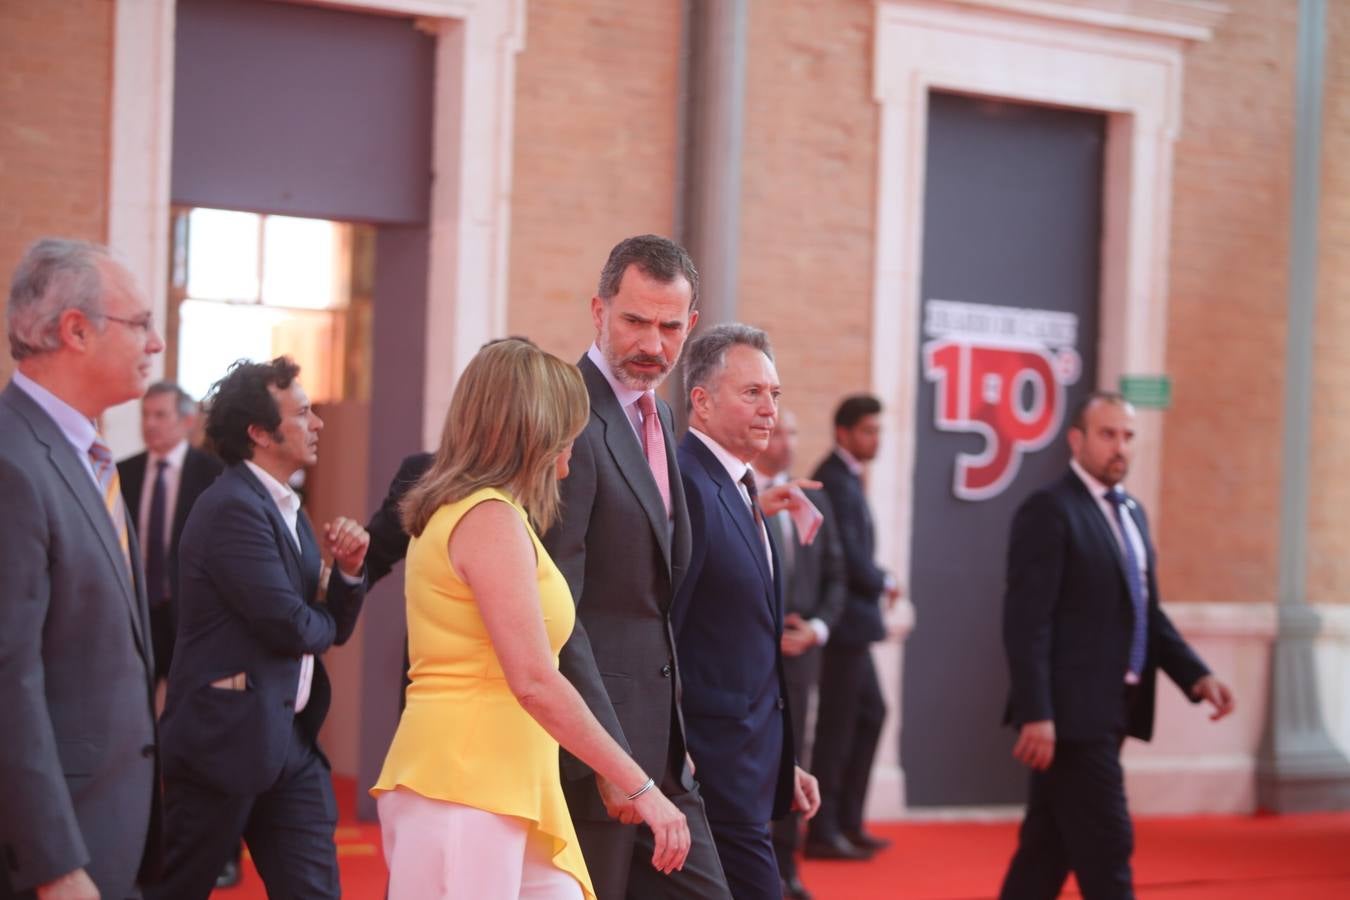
[{"x": 55, "y": 90}]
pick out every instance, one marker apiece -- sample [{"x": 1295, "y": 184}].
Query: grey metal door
[{"x": 1008, "y": 325}]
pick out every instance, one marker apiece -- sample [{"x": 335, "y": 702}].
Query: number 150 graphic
[{"x": 1013, "y": 396}]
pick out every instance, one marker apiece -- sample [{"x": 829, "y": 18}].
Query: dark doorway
[{"x": 1008, "y": 325}]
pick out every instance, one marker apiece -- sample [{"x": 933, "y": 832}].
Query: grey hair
[
  {"x": 56, "y": 274},
  {"x": 657, "y": 257},
  {"x": 706, "y": 354},
  {"x": 182, "y": 400}
]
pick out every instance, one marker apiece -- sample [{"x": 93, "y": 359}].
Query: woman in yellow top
[{"x": 470, "y": 801}]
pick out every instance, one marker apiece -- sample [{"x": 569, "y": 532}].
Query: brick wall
[
  {"x": 597, "y": 96},
  {"x": 55, "y": 91},
  {"x": 1329, "y": 509},
  {"x": 808, "y": 214},
  {"x": 1219, "y": 520}
]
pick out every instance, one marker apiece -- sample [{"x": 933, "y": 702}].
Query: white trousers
[{"x": 437, "y": 851}]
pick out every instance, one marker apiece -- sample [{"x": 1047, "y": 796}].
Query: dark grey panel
[
  {"x": 301, "y": 110},
  {"x": 1012, "y": 218},
  {"x": 401, "y": 258}
]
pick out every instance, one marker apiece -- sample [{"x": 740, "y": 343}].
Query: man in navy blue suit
[
  {"x": 247, "y": 691},
  {"x": 852, "y": 710},
  {"x": 1085, "y": 637},
  {"x": 728, "y": 613}
]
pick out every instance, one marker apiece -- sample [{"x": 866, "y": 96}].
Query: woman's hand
[{"x": 669, "y": 828}]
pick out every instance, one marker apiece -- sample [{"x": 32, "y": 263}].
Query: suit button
[
  {"x": 665, "y": 671},
  {"x": 148, "y": 751},
  {"x": 782, "y": 704},
  {"x": 288, "y": 702}
]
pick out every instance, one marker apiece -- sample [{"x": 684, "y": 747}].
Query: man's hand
[
  {"x": 617, "y": 803},
  {"x": 75, "y": 885},
  {"x": 1217, "y": 694},
  {"x": 347, "y": 543},
  {"x": 1035, "y": 745},
  {"x": 893, "y": 591},
  {"x": 781, "y": 496},
  {"x": 798, "y": 636},
  {"x": 805, "y": 793}
]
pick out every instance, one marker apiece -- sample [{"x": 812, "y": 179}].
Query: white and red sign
[{"x": 1000, "y": 372}]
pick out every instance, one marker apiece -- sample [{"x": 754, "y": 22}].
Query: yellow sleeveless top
[{"x": 463, "y": 736}]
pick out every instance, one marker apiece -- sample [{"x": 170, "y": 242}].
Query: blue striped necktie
[{"x": 1134, "y": 577}]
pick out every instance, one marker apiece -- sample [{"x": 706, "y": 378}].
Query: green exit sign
[{"x": 1147, "y": 391}]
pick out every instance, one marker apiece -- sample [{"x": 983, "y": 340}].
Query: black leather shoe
[
  {"x": 866, "y": 841},
  {"x": 793, "y": 889},
  {"x": 229, "y": 876},
  {"x": 837, "y": 847}
]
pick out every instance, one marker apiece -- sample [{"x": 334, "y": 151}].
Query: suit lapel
[
  {"x": 81, "y": 486},
  {"x": 1100, "y": 527},
  {"x": 624, "y": 447},
  {"x": 310, "y": 567},
  {"x": 290, "y": 553},
  {"x": 733, "y": 502}
]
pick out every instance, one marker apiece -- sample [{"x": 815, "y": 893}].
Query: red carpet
[{"x": 1305, "y": 857}]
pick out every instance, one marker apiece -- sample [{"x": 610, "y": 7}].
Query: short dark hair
[
  {"x": 853, "y": 409},
  {"x": 182, "y": 400},
  {"x": 657, "y": 257},
  {"x": 241, "y": 399},
  {"x": 1079, "y": 419}
]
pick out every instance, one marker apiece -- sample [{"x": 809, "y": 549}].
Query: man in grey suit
[
  {"x": 814, "y": 585},
  {"x": 623, "y": 544},
  {"x": 78, "y": 772}
]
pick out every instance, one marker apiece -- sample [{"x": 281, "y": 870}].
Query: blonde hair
[{"x": 514, "y": 410}]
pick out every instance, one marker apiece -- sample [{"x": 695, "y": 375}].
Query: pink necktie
[{"x": 654, "y": 446}]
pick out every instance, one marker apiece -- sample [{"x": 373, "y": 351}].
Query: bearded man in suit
[{"x": 1085, "y": 637}]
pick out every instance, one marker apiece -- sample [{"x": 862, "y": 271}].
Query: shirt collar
[
  {"x": 175, "y": 456},
  {"x": 625, "y": 395},
  {"x": 735, "y": 467},
  {"x": 281, "y": 494},
  {"x": 1095, "y": 487},
  {"x": 849, "y": 460},
  {"x": 77, "y": 428}
]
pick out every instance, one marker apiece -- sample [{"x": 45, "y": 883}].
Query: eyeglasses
[{"x": 144, "y": 324}]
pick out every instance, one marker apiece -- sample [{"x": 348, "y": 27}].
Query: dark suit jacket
[
  {"x": 1068, "y": 620},
  {"x": 860, "y": 623},
  {"x": 814, "y": 586},
  {"x": 199, "y": 470},
  {"x": 248, "y": 602},
  {"x": 622, "y": 558},
  {"x": 78, "y": 763},
  {"x": 728, "y": 621},
  {"x": 388, "y": 540}
]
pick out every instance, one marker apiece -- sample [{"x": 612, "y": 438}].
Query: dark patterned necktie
[{"x": 156, "y": 576}]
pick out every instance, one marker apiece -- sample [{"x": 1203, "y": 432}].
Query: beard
[{"x": 636, "y": 381}]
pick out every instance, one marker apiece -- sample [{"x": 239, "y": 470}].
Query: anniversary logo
[{"x": 999, "y": 372}]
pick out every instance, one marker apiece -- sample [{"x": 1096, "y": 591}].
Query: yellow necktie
[{"x": 106, "y": 471}]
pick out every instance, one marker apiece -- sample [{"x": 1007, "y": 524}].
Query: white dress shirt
[
  {"x": 288, "y": 504},
  {"x": 736, "y": 468},
  {"x": 173, "y": 477},
  {"x": 1098, "y": 491}
]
